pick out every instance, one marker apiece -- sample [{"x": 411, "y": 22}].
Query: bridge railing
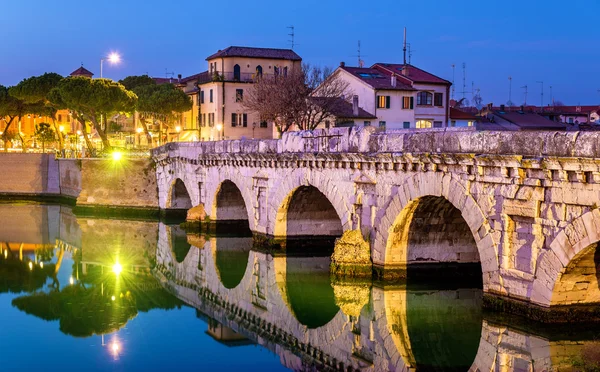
[{"x": 366, "y": 140}]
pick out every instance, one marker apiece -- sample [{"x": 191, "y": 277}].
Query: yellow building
[{"x": 217, "y": 112}]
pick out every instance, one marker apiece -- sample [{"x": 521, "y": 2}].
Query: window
[
  {"x": 327, "y": 124},
  {"x": 406, "y": 125},
  {"x": 236, "y": 72},
  {"x": 239, "y": 120},
  {"x": 570, "y": 120},
  {"x": 259, "y": 70},
  {"x": 367, "y": 123},
  {"x": 210, "y": 98},
  {"x": 438, "y": 99},
  {"x": 59, "y": 117},
  {"x": 424, "y": 98},
  {"x": 276, "y": 70},
  {"x": 383, "y": 101},
  {"x": 285, "y": 71},
  {"x": 211, "y": 119},
  {"x": 263, "y": 124},
  {"x": 423, "y": 124},
  {"x": 202, "y": 120},
  {"x": 201, "y": 96},
  {"x": 437, "y": 124},
  {"x": 453, "y": 123},
  {"x": 382, "y": 124},
  {"x": 408, "y": 102},
  {"x": 239, "y": 95}
]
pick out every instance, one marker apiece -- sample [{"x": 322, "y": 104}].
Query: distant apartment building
[
  {"x": 396, "y": 96},
  {"x": 217, "y": 93}
]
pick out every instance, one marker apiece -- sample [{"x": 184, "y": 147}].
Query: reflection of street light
[{"x": 117, "y": 268}]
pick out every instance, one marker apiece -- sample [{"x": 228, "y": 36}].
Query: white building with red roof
[{"x": 399, "y": 96}]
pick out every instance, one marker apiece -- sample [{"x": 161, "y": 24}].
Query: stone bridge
[
  {"x": 352, "y": 326},
  {"x": 523, "y": 205}
]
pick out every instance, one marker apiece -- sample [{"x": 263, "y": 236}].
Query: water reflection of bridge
[{"x": 343, "y": 325}]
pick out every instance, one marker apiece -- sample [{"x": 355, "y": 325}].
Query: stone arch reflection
[
  {"x": 231, "y": 258},
  {"x": 306, "y": 287},
  {"x": 179, "y": 243},
  {"x": 433, "y": 329}
]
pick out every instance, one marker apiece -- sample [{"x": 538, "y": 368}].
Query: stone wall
[
  {"x": 125, "y": 183},
  {"x": 29, "y": 174}
]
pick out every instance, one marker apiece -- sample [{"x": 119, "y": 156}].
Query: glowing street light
[
  {"x": 219, "y": 127},
  {"x": 113, "y": 58},
  {"x": 116, "y": 157},
  {"x": 117, "y": 268}
]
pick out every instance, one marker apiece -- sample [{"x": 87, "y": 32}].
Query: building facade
[
  {"x": 400, "y": 96},
  {"x": 217, "y": 93}
]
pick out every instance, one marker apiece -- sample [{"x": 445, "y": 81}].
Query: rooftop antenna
[
  {"x": 292, "y": 34},
  {"x": 404, "y": 47},
  {"x": 551, "y": 96},
  {"x": 464, "y": 91},
  {"x": 510, "y": 91},
  {"x": 542, "y": 101},
  {"x": 167, "y": 73},
  {"x": 525, "y": 87},
  {"x": 410, "y": 52},
  {"x": 361, "y": 63},
  {"x": 453, "y": 88}
]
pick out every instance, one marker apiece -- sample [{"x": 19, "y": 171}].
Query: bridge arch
[
  {"x": 318, "y": 203},
  {"x": 229, "y": 203},
  {"x": 415, "y": 204},
  {"x": 568, "y": 272},
  {"x": 179, "y": 196}
]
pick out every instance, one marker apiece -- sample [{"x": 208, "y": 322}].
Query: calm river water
[{"x": 120, "y": 295}]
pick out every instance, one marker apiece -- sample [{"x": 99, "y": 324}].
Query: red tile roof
[
  {"x": 267, "y": 53},
  {"x": 82, "y": 71},
  {"x": 529, "y": 120},
  {"x": 376, "y": 79},
  {"x": 415, "y": 74},
  {"x": 344, "y": 110},
  {"x": 456, "y": 114}
]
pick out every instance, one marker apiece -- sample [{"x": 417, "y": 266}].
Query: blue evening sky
[{"x": 550, "y": 41}]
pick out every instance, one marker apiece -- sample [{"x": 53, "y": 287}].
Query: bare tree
[{"x": 303, "y": 98}]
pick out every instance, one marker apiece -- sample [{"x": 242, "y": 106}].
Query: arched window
[
  {"x": 236, "y": 72},
  {"x": 423, "y": 124},
  {"x": 259, "y": 71},
  {"x": 424, "y": 98}
]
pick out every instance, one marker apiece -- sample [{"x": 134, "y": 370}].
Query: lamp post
[
  {"x": 253, "y": 127},
  {"x": 219, "y": 127},
  {"x": 139, "y": 132},
  {"x": 113, "y": 58}
]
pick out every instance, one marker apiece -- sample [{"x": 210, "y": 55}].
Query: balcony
[{"x": 242, "y": 77}]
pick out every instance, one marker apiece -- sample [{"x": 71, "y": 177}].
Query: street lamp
[
  {"x": 178, "y": 129},
  {"x": 139, "y": 132},
  {"x": 113, "y": 58},
  {"x": 219, "y": 127}
]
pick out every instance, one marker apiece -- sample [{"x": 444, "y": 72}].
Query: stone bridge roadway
[
  {"x": 368, "y": 328},
  {"x": 523, "y": 204}
]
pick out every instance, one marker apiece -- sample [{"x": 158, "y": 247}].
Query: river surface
[{"x": 122, "y": 295}]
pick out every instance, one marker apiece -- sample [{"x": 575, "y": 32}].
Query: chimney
[
  {"x": 502, "y": 107},
  {"x": 179, "y": 78},
  {"x": 342, "y": 64},
  {"x": 355, "y": 105},
  {"x": 393, "y": 80},
  {"x": 490, "y": 106},
  {"x": 405, "y": 70},
  {"x": 522, "y": 108}
]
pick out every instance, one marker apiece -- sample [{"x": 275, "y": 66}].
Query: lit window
[
  {"x": 423, "y": 124},
  {"x": 424, "y": 98},
  {"x": 408, "y": 102},
  {"x": 383, "y": 101}
]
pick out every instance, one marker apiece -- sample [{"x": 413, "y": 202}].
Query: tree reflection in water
[{"x": 102, "y": 302}]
